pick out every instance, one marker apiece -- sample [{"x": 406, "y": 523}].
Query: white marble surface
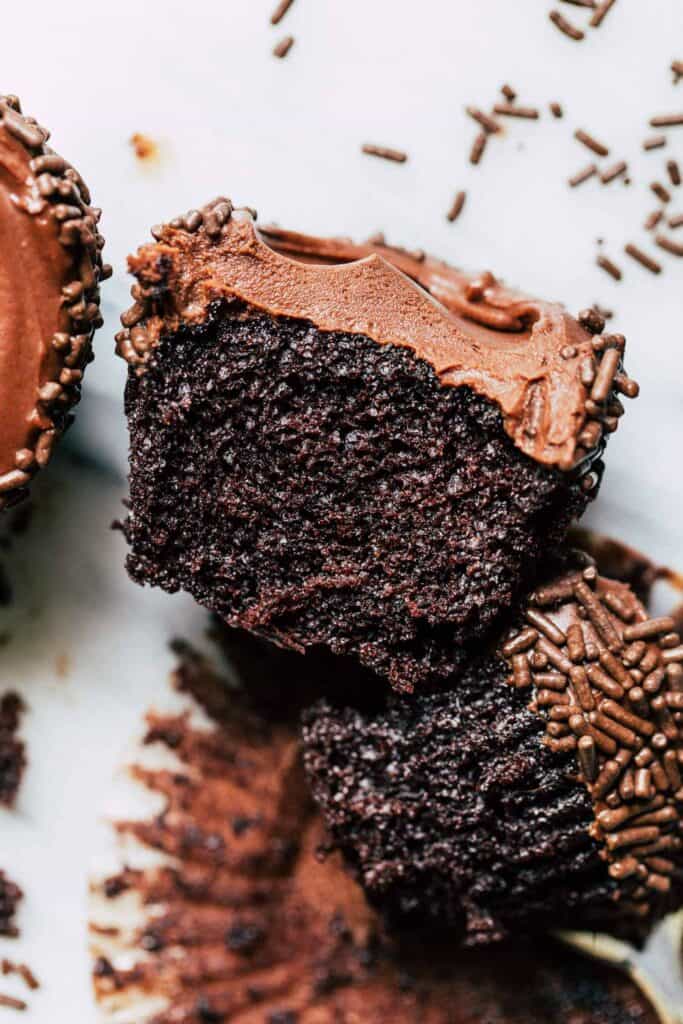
[{"x": 285, "y": 137}]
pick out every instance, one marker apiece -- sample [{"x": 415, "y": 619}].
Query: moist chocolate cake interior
[{"x": 317, "y": 488}]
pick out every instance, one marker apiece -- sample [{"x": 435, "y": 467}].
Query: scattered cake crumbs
[
  {"x": 12, "y": 749},
  {"x": 144, "y": 147},
  {"x": 10, "y": 897}
]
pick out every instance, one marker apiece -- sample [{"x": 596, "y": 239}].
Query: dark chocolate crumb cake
[
  {"x": 50, "y": 271},
  {"x": 327, "y": 453},
  {"x": 544, "y": 790},
  {"x": 248, "y": 925}
]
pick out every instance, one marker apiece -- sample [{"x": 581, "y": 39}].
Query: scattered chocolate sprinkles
[
  {"x": 591, "y": 142},
  {"x": 669, "y": 245},
  {"x": 643, "y": 258},
  {"x": 24, "y": 972},
  {"x": 677, "y": 221},
  {"x": 556, "y": 109},
  {"x": 677, "y": 69},
  {"x": 652, "y": 220},
  {"x": 508, "y": 92},
  {"x": 583, "y": 175},
  {"x": 478, "y": 147},
  {"x": 397, "y": 156},
  {"x": 571, "y": 31},
  {"x": 674, "y": 172},
  {"x": 282, "y": 48},
  {"x": 666, "y": 121},
  {"x": 612, "y": 269},
  {"x": 280, "y": 11},
  {"x": 456, "y": 206},
  {"x": 654, "y": 142},
  {"x": 488, "y": 123},
  {"x": 615, "y": 171},
  {"x": 628, "y": 744},
  {"x": 660, "y": 191},
  {"x": 581, "y": 3},
  {"x": 601, "y": 12},
  {"x": 511, "y": 110},
  {"x": 11, "y": 1003}
]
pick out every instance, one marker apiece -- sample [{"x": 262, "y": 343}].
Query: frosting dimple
[{"x": 532, "y": 359}]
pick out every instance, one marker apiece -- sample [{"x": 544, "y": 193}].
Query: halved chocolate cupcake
[
  {"x": 50, "y": 271},
  {"x": 543, "y": 790},
  {"x": 352, "y": 446},
  {"x": 248, "y": 924}
]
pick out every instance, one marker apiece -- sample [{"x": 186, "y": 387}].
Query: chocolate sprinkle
[
  {"x": 385, "y": 153},
  {"x": 280, "y": 11},
  {"x": 666, "y": 121},
  {"x": 488, "y": 123},
  {"x": 11, "y": 1003},
  {"x": 642, "y": 257},
  {"x": 478, "y": 147},
  {"x": 556, "y": 109},
  {"x": 282, "y": 48},
  {"x": 654, "y": 142},
  {"x": 653, "y": 219},
  {"x": 583, "y": 175},
  {"x": 611, "y": 267},
  {"x": 510, "y": 110},
  {"x": 565, "y": 26},
  {"x": 669, "y": 245},
  {"x": 613, "y": 172},
  {"x": 674, "y": 172},
  {"x": 601, "y": 12},
  {"x": 456, "y": 206},
  {"x": 591, "y": 142},
  {"x": 660, "y": 191},
  {"x": 677, "y": 221}
]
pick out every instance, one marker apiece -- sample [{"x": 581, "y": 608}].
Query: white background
[{"x": 285, "y": 137}]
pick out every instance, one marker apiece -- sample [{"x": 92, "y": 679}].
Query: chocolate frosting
[
  {"x": 545, "y": 370},
  {"x": 50, "y": 268}
]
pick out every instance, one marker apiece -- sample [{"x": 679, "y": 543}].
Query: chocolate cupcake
[
  {"x": 352, "y": 446},
  {"x": 543, "y": 790},
  {"x": 250, "y": 925},
  {"x": 50, "y": 271}
]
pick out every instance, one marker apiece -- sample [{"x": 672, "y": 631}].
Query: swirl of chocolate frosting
[
  {"x": 552, "y": 376},
  {"x": 50, "y": 269}
]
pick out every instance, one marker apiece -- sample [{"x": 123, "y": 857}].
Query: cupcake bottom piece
[
  {"x": 542, "y": 791},
  {"x": 249, "y": 924}
]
